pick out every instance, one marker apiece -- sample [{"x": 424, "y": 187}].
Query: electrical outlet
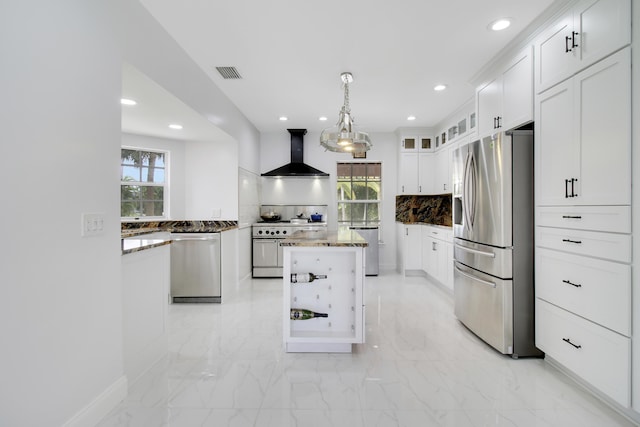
[{"x": 92, "y": 224}]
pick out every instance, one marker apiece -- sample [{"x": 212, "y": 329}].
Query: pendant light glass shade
[{"x": 343, "y": 137}]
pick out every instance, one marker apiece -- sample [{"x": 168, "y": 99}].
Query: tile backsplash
[{"x": 427, "y": 209}]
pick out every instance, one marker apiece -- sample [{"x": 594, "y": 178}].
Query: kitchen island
[{"x": 323, "y": 279}]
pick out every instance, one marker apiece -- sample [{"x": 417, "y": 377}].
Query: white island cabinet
[
  {"x": 145, "y": 299},
  {"x": 340, "y": 295}
]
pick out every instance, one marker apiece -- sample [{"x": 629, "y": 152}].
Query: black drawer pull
[
  {"x": 571, "y": 217},
  {"x": 567, "y": 340},
  {"x": 577, "y": 242},
  {"x": 572, "y": 284},
  {"x": 567, "y": 49}
]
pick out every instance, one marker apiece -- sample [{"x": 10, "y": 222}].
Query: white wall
[
  {"x": 211, "y": 180},
  {"x": 276, "y": 151},
  {"x": 176, "y": 167},
  {"x": 61, "y": 306},
  {"x": 635, "y": 209}
]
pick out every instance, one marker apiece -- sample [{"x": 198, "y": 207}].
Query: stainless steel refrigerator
[{"x": 493, "y": 240}]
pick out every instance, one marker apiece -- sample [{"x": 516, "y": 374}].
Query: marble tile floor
[{"x": 419, "y": 367}]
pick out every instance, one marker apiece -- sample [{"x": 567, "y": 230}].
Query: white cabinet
[
  {"x": 409, "y": 176},
  {"x": 588, "y": 32},
  {"x": 412, "y": 247},
  {"x": 145, "y": 302},
  {"x": 507, "y": 101},
  {"x": 415, "y": 169},
  {"x": 583, "y": 293},
  {"x": 442, "y": 181},
  {"x": 599, "y": 356},
  {"x": 437, "y": 254},
  {"x": 417, "y": 143},
  {"x": 339, "y": 296},
  {"x": 583, "y": 137}
]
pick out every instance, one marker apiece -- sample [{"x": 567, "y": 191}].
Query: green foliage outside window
[
  {"x": 142, "y": 185},
  {"x": 359, "y": 188}
]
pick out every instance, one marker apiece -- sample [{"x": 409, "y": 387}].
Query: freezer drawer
[
  {"x": 495, "y": 261},
  {"x": 484, "y": 304}
]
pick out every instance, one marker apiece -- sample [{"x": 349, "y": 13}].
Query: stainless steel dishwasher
[{"x": 195, "y": 267}]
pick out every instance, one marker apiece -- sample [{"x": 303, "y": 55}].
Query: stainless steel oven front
[{"x": 267, "y": 252}]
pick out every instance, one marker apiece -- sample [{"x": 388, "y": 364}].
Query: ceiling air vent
[{"x": 229, "y": 72}]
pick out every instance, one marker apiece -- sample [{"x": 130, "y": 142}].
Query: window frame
[
  {"x": 164, "y": 185},
  {"x": 364, "y": 202}
]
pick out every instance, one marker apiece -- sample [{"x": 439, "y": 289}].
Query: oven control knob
[
  {"x": 272, "y": 233},
  {"x": 278, "y": 232},
  {"x": 284, "y": 231},
  {"x": 260, "y": 232}
]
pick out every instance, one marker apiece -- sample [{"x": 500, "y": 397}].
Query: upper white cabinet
[
  {"x": 588, "y": 32},
  {"x": 507, "y": 101},
  {"x": 417, "y": 144},
  {"x": 408, "y": 175},
  {"x": 583, "y": 137}
]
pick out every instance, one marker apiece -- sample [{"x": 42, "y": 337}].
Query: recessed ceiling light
[
  {"x": 439, "y": 88},
  {"x": 283, "y": 118},
  {"x": 322, "y": 118},
  {"x": 175, "y": 126},
  {"x": 125, "y": 101},
  {"x": 500, "y": 24},
  {"x": 411, "y": 117}
]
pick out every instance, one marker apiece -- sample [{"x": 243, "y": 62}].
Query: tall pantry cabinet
[{"x": 583, "y": 195}]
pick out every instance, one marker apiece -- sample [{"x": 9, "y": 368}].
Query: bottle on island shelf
[
  {"x": 302, "y": 314},
  {"x": 306, "y": 277}
]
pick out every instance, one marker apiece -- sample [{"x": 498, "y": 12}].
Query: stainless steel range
[{"x": 266, "y": 236}]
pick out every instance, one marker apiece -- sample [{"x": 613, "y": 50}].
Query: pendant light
[{"x": 343, "y": 137}]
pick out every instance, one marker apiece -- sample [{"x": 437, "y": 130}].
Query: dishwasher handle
[{"x": 192, "y": 238}]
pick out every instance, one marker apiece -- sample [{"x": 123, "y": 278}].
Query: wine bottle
[
  {"x": 302, "y": 314},
  {"x": 306, "y": 277}
]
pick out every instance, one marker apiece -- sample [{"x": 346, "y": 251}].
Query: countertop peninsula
[{"x": 317, "y": 238}]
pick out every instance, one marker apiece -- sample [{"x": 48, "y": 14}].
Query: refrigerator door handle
[
  {"x": 471, "y": 189},
  {"x": 465, "y": 192},
  {"x": 475, "y": 251},
  {"x": 474, "y": 278}
]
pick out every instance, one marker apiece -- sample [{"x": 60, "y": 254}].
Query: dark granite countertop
[{"x": 316, "y": 238}]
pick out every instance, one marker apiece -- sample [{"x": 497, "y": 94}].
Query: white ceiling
[
  {"x": 290, "y": 54},
  {"x": 156, "y": 109}
]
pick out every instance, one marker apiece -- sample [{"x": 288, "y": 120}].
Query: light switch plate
[{"x": 92, "y": 224}]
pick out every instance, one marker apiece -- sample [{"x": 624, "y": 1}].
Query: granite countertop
[
  {"x": 144, "y": 241},
  {"x": 317, "y": 238}
]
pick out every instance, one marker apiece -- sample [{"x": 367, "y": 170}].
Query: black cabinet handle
[
  {"x": 568, "y": 341},
  {"x": 573, "y": 192},
  {"x": 571, "y": 217},
  {"x": 573, "y": 39},
  {"x": 566, "y": 189},
  {"x": 566, "y": 44},
  {"x": 499, "y": 121},
  {"x": 577, "y": 242},
  {"x": 494, "y": 122},
  {"x": 572, "y": 284}
]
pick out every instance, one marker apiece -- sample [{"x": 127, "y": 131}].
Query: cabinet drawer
[
  {"x": 615, "y": 219},
  {"x": 595, "y": 289},
  {"x": 597, "y": 355},
  {"x": 439, "y": 233},
  {"x": 615, "y": 247}
]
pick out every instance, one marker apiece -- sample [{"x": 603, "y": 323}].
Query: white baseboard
[{"x": 97, "y": 409}]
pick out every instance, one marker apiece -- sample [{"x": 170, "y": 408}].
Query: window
[
  {"x": 359, "y": 186},
  {"x": 143, "y": 183}
]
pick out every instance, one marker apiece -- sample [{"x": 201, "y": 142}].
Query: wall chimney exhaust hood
[{"x": 297, "y": 168}]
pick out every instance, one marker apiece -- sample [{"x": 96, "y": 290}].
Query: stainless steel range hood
[{"x": 297, "y": 168}]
